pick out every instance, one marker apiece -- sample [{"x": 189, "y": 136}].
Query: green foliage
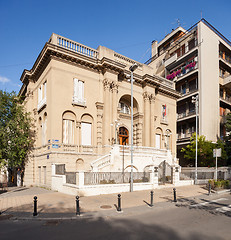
[
  {"x": 16, "y": 136},
  {"x": 228, "y": 138},
  {"x": 204, "y": 152},
  {"x": 220, "y": 184}
]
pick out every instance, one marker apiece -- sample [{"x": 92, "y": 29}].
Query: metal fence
[
  {"x": 70, "y": 177},
  {"x": 202, "y": 173},
  {"x": 95, "y": 178},
  {"x": 60, "y": 169}
]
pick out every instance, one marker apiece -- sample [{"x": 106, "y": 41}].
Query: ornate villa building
[{"x": 80, "y": 100}]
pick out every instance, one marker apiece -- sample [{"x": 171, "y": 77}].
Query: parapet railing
[{"x": 73, "y": 46}]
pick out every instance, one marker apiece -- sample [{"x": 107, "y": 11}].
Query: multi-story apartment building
[
  {"x": 198, "y": 61},
  {"x": 80, "y": 99}
]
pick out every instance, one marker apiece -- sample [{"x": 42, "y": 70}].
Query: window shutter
[
  {"x": 80, "y": 88},
  {"x": 65, "y": 131},
  {"x": 75, "y": 87},
  {"x": 158, "y": 141},
  {"x": 45, "y": 89},
  {"x": 86, "y": 133}
]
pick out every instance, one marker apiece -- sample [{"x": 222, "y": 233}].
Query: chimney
[{"x": 154, "y": 48}]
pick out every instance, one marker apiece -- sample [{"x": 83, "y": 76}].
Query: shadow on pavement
[{"x": 94, "y": 229}]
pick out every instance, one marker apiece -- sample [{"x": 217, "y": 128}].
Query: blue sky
[{"x": 127, "y": 27}]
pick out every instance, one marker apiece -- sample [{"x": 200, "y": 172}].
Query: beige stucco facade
[{"x": 80, "y": 100}]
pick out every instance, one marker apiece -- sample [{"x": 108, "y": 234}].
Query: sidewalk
[{"x": 18, "y": 202}]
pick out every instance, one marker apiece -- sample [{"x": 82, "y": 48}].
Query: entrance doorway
[{"x": 123, "y": 136}]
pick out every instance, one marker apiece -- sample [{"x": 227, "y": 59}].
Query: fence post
[
  {"x": 175, "y": 174},
  {"x": 80, "y": 178},
  {"x": 154, "y": 177}
]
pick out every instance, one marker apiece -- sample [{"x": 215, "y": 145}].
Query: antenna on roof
[
  {"x": 178, "y": 22},
  {"x": 201, "y": 14}
]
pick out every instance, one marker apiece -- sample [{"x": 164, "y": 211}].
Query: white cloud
[{"x": 4, "y": 80}]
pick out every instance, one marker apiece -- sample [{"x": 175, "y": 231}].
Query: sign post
[{"x": 216, "y": 153}]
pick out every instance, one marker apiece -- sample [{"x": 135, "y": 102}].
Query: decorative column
[
  {"x": 78, "y": 135},
  {"x": 99, "y": 125},
  {"x": 106, "y": 115},
  {"x": 152, "y": 119},
  {"x": 114, "y": 105},
  {"x": 146, "y": 119}
]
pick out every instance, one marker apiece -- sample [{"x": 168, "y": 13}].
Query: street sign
[{"x": 217, "y": 152}]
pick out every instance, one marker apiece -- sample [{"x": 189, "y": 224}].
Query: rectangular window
[
  {"x": 39, "y": 174},
  {"x": 78, "y": 97},
  {"x": 86, "y": 133},
  {"x": 44, "y": 174},
  {"x": 39, "y": 94},
  {"x": 68, "y": 131},
  {"x": 44, "y": 90},
  {"x": 44, "y": 131},
  {"x": 191, "y": 44},
  {"x": 158, "y": 141}
]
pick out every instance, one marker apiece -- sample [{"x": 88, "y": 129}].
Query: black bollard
[
  {"x": 209, "y": 189},
  {"x": 119, "y": 203},
  {"x": 35, "y": 213},
  {"x": 77, "y": 206},
  {"x": 151, "y": 204},
  {"x": 174, "y": 194}
]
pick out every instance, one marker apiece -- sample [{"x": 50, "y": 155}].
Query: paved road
[{"x": 197, "y": 218}]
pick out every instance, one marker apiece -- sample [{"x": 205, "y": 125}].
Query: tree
[
  {"x": 228, "y": 137},
  {"x": 16, "y": 134},
  {"x": 204, "y": 151}
]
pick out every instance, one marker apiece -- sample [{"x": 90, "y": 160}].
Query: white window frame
[
  {"x": 158, "y": 140},
  {"x": 68, "y": 131},
  {"x": 86, "y": 134},
  {"x": 78, "y": 92}
]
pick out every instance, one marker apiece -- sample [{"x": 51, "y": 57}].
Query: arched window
[
  {"x": 68, "y": 128},
  {"x": 124, "y": 108},
  {"x": 86, "y": 130},
  {"x": 158, "y": 138},
  {"x": 123, "y": 136}
]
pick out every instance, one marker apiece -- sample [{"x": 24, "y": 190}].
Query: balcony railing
[
  {"x": 42, "y": 103},
  {"x": 184, "y": 135},
  {"x": 73, "y": 46},
  {"x": 78, "y": 101},
  {"x": 182, "y": 71},
  {"x": 225, "y": 57},
  {"x": 186, "y": 114},
  {"x": 176, "y": 56},
  {"x": 226, "y": 98}
]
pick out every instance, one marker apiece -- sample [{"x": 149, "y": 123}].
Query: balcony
[
  {"x": 225, "y": 57},
  {"x": 227, "y": 81},
  {"x": 182, "y": 71},
  {"x": 188, "y": 49},
  {"x": 41, "y": 104},
  {"x": 73, "y": 46},
  {"x": 181, "y": 136},
  {"x": 186, "y": 114},
  {"x": 78, "y": 101}
]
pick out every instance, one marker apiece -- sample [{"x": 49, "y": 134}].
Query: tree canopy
[
  {"x": 16, "y": 134},
  {"x": 204, "y": 152}
]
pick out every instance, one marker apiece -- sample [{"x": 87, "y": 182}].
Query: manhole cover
[
  {"x": 105, "y": 206},
  {"x": 51, "y": 223}
]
